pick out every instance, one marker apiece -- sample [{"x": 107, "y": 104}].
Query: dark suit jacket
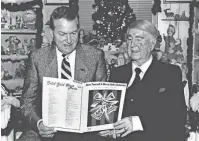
[
  {"x": 158, "y": 101},
  {"x": 89, "y": 66}
]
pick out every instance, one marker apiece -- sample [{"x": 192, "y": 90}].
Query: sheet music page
[
  {"x": 61, "y": 106},
  {"x": 74, "y": 106}
]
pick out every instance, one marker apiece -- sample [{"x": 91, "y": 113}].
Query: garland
[
  {"x": 190, "y": 45},
  {"x": 16, "y": 1},
  {"x": 14, "y": 7}
]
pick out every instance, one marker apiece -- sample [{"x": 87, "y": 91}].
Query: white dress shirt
[
  {"x": 70, "y": 58},
  {"x": 143, "y": 68},
  {"x": 137, "y": 124}
]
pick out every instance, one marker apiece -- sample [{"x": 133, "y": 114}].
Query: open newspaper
[{"x": 73, "y": 106}]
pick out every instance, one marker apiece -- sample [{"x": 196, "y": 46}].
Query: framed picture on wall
[
  {"x": 56, "y": 2},
  {"x": 177, "y": 1}
]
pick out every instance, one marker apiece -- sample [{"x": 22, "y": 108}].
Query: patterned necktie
[
  {"x": 137, "y": 76},
  {"x": 65, "y": 69}
]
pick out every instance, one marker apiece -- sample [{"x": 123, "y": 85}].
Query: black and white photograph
[
  {"x": 178, "y": 1},
  {"x": 58, "y": 2},
  {"x": 99, "y": 70}
]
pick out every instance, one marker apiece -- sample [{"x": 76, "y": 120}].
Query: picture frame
[
  {"x": 56, "y": 2},
  {"x": 177, "y": 1}
]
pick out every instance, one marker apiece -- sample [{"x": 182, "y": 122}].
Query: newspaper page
[
  {"x": 102, "y": 105},
  {"x": 62, "y": 104}
]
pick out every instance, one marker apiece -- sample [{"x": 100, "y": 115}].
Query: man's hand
[
  {"x": 108, "y": 133},
  {"x": 105, "y": 133},
  {"x": 10, "y": 100},
  {"x": 46, "y": 131},
  {"x": 124, "y": 127}
]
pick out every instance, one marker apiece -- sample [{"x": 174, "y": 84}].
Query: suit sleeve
[
  {"x": 29, "y": 99},
  {"x": 101, "y": 74},
  {"x": 111, "y": 76}
]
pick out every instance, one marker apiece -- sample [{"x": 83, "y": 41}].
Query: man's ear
[
  {"x": 153, "y": 43},
  {"x": 79, "y": 32},
  {"x": 51, "y": 32}
]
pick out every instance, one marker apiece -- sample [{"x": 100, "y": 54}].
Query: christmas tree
[{"x": 111, "y": 19}]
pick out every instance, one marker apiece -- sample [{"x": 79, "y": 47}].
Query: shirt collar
[
  {"x": 145, "y": 66},
  {"x": 59, "y": 53}
]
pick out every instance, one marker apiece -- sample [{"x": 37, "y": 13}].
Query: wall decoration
[
  {"x": 56, "y": 2},
  {"x": 18, "y": 20},
  {"x": 16, "y": 1},
  {"x": 173, "y": 25},
  {"x": 177, "y": 1},
  {"x": 168, "y": 14},
  {"x": 178, "y": 16},
  {"x": 173, "y": 47}
]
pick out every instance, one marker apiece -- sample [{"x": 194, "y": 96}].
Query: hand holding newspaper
[{"x": 74, "y": 106}]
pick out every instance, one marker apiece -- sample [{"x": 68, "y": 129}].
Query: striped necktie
[{"x": 65, "y": 69}]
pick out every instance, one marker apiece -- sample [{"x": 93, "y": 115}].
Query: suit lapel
[
  {"x": 151, "y": 80},
  {"x": 151, "y": 76},
  {"x": 127, "y": 73},
  {"x": 81, "y": 69},
  {"x": 152, "y": 73},
  {"x": 51, "y": 65}
]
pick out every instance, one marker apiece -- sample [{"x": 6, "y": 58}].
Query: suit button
[{"x": 131, "y": 100}]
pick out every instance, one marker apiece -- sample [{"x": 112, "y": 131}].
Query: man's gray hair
[{"x": 146, "y": 26}]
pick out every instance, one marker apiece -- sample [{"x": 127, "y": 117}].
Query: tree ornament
[
  {"x": 102, "y": 3},
  {"x": 110, "y": 13},
  {"x": 112, "y": 18}
]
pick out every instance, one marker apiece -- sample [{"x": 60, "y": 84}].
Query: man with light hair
[
  {"x": 154, "y": 107},
  {"x": 64, "y": 58}
]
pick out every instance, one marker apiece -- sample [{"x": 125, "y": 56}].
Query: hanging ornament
[
  {"x": 102, "y": 3},
  {"x": 156, "y": 7},
  {"x": 123, "y": 8},
  {"x": 99, "y": 22},
  {"x": 96, "y": 8},
  {"x": 119, "y": 8},
  {"x": 118, "y": 41},
  {"x": 110, "y": 13},
  {"x": 94, "y": 5},
  {"x": 94, "y": 32}
]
